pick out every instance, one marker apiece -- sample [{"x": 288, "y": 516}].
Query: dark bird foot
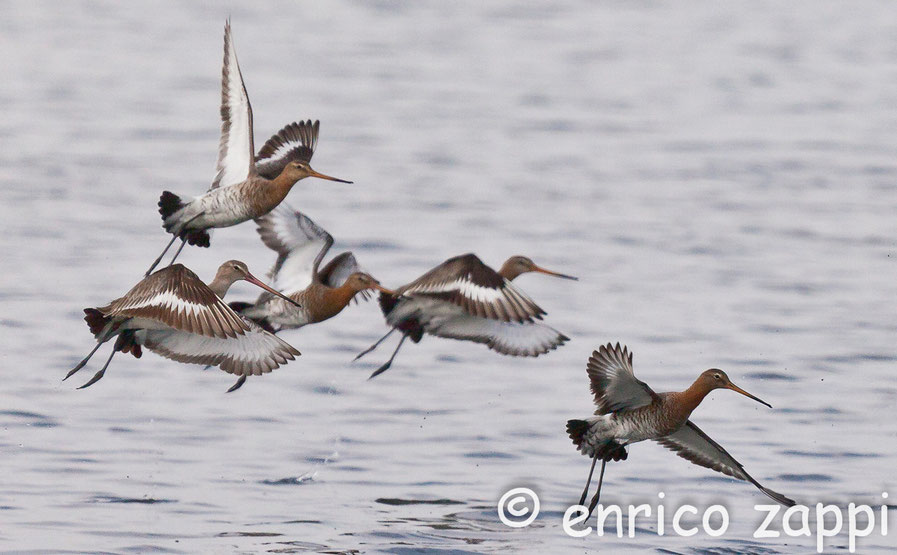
[
  {"x": 96, "y": 377},
  {"x": 366, "y": 351},
  {"x": 380, "y": 370},
  {"x": 238, "y": 385},
  {"x": 81, "y": 365}
]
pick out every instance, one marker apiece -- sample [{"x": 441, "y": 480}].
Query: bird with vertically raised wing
[
  {"x": 301, "y": 246},
  {"x": 628, "y": 411},
  {"x": 176, "y": 315},
  {"x": 465, "y": 299},
  {"x": 245, "y": 186}
]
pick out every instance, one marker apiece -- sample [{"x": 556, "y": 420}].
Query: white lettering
[
  {"x": 602, "y": 516},
  {"x": 852, "y": 531},
  {"x": 634, "y": 512},
  {"x": 763, "y": 531},
  {"x": 823, "y": 532},
  {"x": 581, "y": 517},
  {"x": 705, "y": 521},
  {"x": 677, "y": 516}
]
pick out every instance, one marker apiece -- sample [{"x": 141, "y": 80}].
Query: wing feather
[
  {"x": 529, "y": 339},
  {"x": 253, "y": 353},
  {"x": 300, "y": 245},
  {"x": 613, "y": 382},
  {"x": 338, "y": 270},
  {"x": 177, "y": 298},
  {"x": 296, "y": 141},
  {"x": 693, "y": 445},
  {"x": 467, "y": 282},
  {"x": 236, "y": 152}
]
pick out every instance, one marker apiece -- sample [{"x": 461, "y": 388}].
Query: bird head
[
  {"x": 517, "y": 265},
  {"x": 717, "y": 379},
  {"x": 235, "y": 270},
  {"x": 300, "y": 169},
  {"x": 360, "y": 281}
]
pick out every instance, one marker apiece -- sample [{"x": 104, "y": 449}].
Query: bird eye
[{"x": 717, "y": 376}]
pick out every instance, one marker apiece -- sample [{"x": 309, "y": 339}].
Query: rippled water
[{"x": 722, "y": 179}]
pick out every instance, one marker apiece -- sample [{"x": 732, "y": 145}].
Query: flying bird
[
  {"x": 465, "y": 299},
  {"x": 245, "y": 186},
  {"x": 175, "y": 315},
  {"x": 629, "y": 411},
  {"x": 301, "y": 246}
]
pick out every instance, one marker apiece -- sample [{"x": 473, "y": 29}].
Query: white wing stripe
[
  {"x": 466, "y": 287},
  {"x": 168, "y": 300}
]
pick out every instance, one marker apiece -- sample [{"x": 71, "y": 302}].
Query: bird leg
[
  {"x": 597, "y": 493},
  {"x": 582, "y": 500},
  {"x": 386, "y": 366},
  {"x": 374, "y": 346},
  {"x": 96, "y": 377},
  {"x": 237, "y": 385},
  {"x": 183, "y": 244},
  {"x": 156, "y": 263},
  {"x": 83, "y": 362}
]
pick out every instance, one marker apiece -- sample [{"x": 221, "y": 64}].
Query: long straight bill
[{"x": 256, "y": 281}]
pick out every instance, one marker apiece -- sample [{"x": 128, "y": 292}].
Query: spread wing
[
  {"x": 300, "y": 245},
  {"x": 236, "y": 160},
  {"x": 529, "y": 339},
  {"x": 338, "y": 270},
  {"x": 466, "y": 282},
  {"x": 613, "y": 382},
  {"x": 250, "y": 354},
  {"x": 177, "y": 298},
  {"x": 690, "y": 443},
  {"x": 296, "y": 141}
]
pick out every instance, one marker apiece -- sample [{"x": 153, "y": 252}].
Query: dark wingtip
[{"x": 776, "y": 496}]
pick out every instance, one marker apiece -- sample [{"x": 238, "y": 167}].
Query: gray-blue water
[{"x": 722, "y": 178}]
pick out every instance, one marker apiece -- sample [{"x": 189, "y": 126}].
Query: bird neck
[
  {"x": 692, "y": 397},
  {"x": 221, "y": 284},
  {"x": 274, "y": 192},
  {"x": 336, "y": 299},
  {"x": 285, "y": 181},
  {"x": 508, "y": 272}
]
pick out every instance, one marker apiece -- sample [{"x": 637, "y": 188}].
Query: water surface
[{"x": 721, "y": 179}]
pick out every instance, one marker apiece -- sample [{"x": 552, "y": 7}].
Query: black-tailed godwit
[
  {"x": 245, "y": 186},
  {"x": 174, "y": 314},
  {"x": 301, "y": 245},
  {"x": 629, "y": 411},
  {"x": 465, "y": 299}
]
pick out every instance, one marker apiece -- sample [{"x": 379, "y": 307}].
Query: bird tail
[
  {"x": 606, "y": 450},
  {"x": 409, "y": 325},
  {"x": 387, "y": 302},
  {"x": 577, "y": 430},
  {"x": 96, "y": 321},
  {"x": 171, "y": 207}
]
